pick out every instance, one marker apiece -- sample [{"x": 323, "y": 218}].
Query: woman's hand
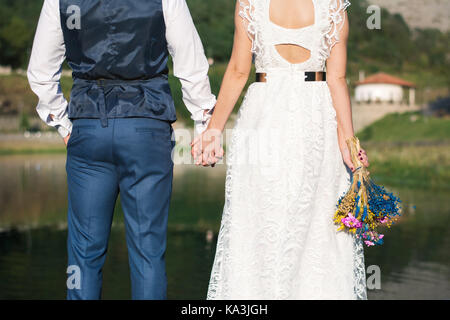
[
  {"x": 362, "y": 155},
  {"x": 346, "y": 157},
  {"x": 206, "y": 149}
]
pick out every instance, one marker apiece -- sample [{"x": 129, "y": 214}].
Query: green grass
[
  {"x": 409, "y": 153},
  {"x": 396, "y": 173},
  {"x": 14, "y": 151},
  {"x": 407, "y": 127}
]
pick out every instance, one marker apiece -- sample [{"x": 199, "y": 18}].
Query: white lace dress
[{"x": 285, "y": 174}]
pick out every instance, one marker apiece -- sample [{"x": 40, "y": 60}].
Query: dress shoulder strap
[
  {"x": 337, "y": 16},
  {"x": 248, "y": 11},
  {"x": 334, "y": 15}
]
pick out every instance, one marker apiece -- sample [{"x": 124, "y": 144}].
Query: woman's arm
[
  {"x": 336, "y": 79},
  {"x": 236, "y": 74},
  {"x": 234, "y": 80}
]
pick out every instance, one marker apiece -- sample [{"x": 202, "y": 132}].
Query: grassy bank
[
  {"x": 409, "y": 150},
  {"x": 28, "y": 147},
  {"x": 407, "y": 128},
  {"x": 416, "y": 166}
]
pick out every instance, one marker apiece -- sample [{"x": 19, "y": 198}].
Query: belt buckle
[
  {"x": 310, "y": 76},
  {"x": 315, "y": 76},
  {"x": 260, "y": 77}
]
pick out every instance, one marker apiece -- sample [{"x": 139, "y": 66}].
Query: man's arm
[
  {"x": 44, "y": 69},
  {"x": 190, "y": 65}
]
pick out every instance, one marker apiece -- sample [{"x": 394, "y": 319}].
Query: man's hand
[
  {"x": 66, "y": 139},
  {"x": 206, "y": 149}
]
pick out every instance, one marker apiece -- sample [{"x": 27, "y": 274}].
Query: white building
[{"x": 382, "y": 87}]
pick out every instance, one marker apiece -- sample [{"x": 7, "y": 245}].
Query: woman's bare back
[{"x": 292, "y": 14}]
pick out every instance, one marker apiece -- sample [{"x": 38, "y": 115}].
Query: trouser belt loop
[{"x": 102, "y": 106}]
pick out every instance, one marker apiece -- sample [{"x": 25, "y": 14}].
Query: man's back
[
  {"x": 117, "y": 39},
  {"x": 118, "y": 51}
]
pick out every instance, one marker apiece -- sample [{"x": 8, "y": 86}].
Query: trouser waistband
[{"x": 102, "y": 84}]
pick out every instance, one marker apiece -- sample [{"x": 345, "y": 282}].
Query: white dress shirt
[{"x": 190, "y": 65}]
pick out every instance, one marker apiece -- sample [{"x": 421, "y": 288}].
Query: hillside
[{"x": 420, "y": 13}]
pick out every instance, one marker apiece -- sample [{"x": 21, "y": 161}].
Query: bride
[{"x": 288, "y": 162}]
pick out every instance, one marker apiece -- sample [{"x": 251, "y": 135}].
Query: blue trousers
[{"x": 131, "y": 156}]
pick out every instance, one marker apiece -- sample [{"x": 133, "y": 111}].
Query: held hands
[
  {"x": 362, "y": 155},
  {"x": 206, "y": 149}
]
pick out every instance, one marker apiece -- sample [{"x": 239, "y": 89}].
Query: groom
[{"x": 119, "y": 115}]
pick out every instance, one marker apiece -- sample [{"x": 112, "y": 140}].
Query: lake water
[{"x": 414, "y": 261}]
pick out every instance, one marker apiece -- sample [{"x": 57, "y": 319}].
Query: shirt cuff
[
  {"x": 64, "y": 126},
  {"x": 62, "y": 123},
  {"x": 201, "y": 125},
  {"x": 197, "y": 109}
]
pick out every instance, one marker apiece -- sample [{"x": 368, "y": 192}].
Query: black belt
[{"x": 309, "y": 76}]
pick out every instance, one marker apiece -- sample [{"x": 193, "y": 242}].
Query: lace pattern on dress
[
  {"x": 247, "y": 13},
  {"x": 267, "y": 213},
  {"x": 359, "y": 271},
  {"x": 222, "y": 258},
  {"x": 333, "y": 25}
]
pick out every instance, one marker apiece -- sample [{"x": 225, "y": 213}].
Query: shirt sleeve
[
  {"x": 44, "y": 69},
  {"x": 190, "y": 65}
]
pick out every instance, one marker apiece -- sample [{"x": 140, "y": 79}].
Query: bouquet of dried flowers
[{"x": 366, "y": 205}]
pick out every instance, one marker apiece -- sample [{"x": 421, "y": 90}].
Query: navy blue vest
[{"x": 118, "y": 54}]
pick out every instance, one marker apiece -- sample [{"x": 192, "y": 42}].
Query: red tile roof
[{"x": 385, "y": 78}]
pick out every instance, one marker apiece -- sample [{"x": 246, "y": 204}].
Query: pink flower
[
  {"x": 369, "y": 243},
  {"x": 351, "y": 222},
  {"x": 381, "y": 236}
]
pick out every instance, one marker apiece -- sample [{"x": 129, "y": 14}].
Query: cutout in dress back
[{"x": 289, "y": 16}]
